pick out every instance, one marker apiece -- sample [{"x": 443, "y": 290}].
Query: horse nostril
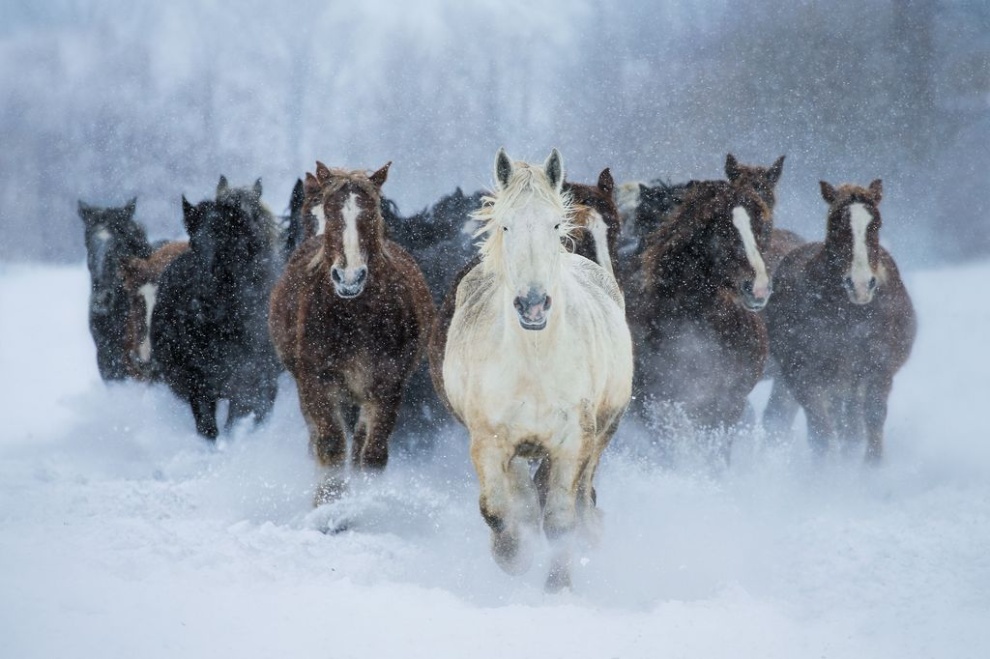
[
  {"x": 872, "y": 283},
  {"x": 336, "y": 276},
  {"x": 747, "y": 287},
  {"x": 360, "y": 276},
  {"x": 848, "y": 283}
]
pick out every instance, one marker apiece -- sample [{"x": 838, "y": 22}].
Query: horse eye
[
  {"x": 505, "y": 228},
  {"x": 556, "y": 227}
]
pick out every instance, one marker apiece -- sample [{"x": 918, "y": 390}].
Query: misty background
[{"x": 103, "y": 100}]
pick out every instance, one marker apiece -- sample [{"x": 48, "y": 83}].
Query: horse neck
[{"x": 683, "y": 273}]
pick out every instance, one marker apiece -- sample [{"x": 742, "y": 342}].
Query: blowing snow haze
[{"x": 105, "y": 100}]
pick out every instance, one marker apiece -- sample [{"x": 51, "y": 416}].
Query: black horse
[
  {"x": 440, "y": 238},
  {"x": 112, "y": 238},
  {"x": 291, "y": 226},
  {"x": 209, "y": 329}
]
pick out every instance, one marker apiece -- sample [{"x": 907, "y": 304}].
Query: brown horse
[
  {"x": 596, "y": 221},
  {"x": 141, "y": 286},
  {"x": 701, "y": 344},
  {"x": 781, "y": 409},
  {"x": 841, "y": 323},
  {"x": 764, "y": 181},
  {"x": 350, "y": 319}
]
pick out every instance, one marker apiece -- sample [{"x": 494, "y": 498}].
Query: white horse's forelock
[{"x": 527, "y": 181}]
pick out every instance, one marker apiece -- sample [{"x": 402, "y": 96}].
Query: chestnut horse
[
  {"x": 597, "y": 226},
  {"x": 781, "y": 408},
  {"x": 141, "y": 286},
  {"x": 841, "y": 323},
  {"x": 702, "y": 281},
  {"x": 112, "y": 237},
  {"x": 506, "y": 365},
  {"x": 350, "y": 319}
]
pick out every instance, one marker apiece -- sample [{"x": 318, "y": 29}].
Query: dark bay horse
[
  {"x": 293, "y": 225},
  {"x": 841, "y": 323},
  {"x": 701, "y": 344},
  {"x": 209, "y": 328},
  {"x": 112, "y": 237},
  {"x": 350, "y": 318},
  {"x": 141, "y": 286}
]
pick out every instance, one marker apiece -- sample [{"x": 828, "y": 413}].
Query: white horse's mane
[{"x": 526, "y": 180}]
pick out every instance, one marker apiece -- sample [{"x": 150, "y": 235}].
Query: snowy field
[{"x": 123, "y": 534}]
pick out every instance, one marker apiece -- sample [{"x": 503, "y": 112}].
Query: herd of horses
[{"x": 535, "y": 315}]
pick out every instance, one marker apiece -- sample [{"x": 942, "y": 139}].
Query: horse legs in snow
[
  {"x": 816, "y": 405},
  {"x": 560, "y": 514},
  {"x": 508, "y": 500},
  {"x": 778, "y": 417},
  {"x": 375, "y": 423},
  {"x": 875, "y": 415},
  {"x": 204, "y": 409},
  {"x": 320, "y": 403},
  {"x": 257, "y": 398}
]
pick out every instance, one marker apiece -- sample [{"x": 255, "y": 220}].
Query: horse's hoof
[
  {"x": 510, "y": 554},
  {"x": 559, "y": 579},
  {"x": 331, "y": 489}
]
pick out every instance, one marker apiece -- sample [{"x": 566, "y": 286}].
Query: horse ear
[
  {"x": 503, "y": 168},
  {"x": 776, "y": 169},
  {"x": 731, "y": 167},
  {"x": 322, "y": 172},
  {"x": 379, "y": 177},
  {"x": 222, "y": 185},
  {"x": 130, "y": 207},
  {"x": 311, "y": 185},
  {"x": 828, "y": 192},
  {"x": 190, "y": 218},
  {"x": 297, "y": 197},
  {"x": 84, "y": 210},
  {"x": 554, "y": 169},
  {"x": 876, "y": 189},
  {"x": 257, "y": 186},
  {"x": 605, "y": 181}
]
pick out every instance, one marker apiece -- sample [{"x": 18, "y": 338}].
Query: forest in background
[{"x": 106, "y": 99}]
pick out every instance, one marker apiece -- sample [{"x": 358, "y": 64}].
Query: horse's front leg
[
  {"x": 204, "y": 409},
  {"x": 505, "y": 502},
  {"x": 778, "y": 417},
  {"x": 320, "y": 404},
  {"x": 817, "y": 409},
  {"x": 570, "y": 462},
  {"x": 875, "y": 415},
  {"x": 376, "y": 421}
]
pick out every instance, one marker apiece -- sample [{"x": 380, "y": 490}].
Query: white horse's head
[{"x": 524, "y": 220}]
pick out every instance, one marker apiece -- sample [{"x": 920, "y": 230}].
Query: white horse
[{"x": 537, "y": 364}]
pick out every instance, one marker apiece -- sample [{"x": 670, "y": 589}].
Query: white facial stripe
[
  {"x": 761, "y": 282},
  {"x": 149, "y": 292},
  {"x": 102, "y": 234},
  {"x": 599, "y": 232},
  {"x": 860, "y": 271},
  {"x": 321, "y": 219},
  {"x": 352, "y": 245}
]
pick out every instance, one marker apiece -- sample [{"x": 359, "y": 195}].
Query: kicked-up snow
[{"x": 124, "y": 534}]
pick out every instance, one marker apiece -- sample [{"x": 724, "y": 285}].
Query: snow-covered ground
[{"x": 123, "y": 534}]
